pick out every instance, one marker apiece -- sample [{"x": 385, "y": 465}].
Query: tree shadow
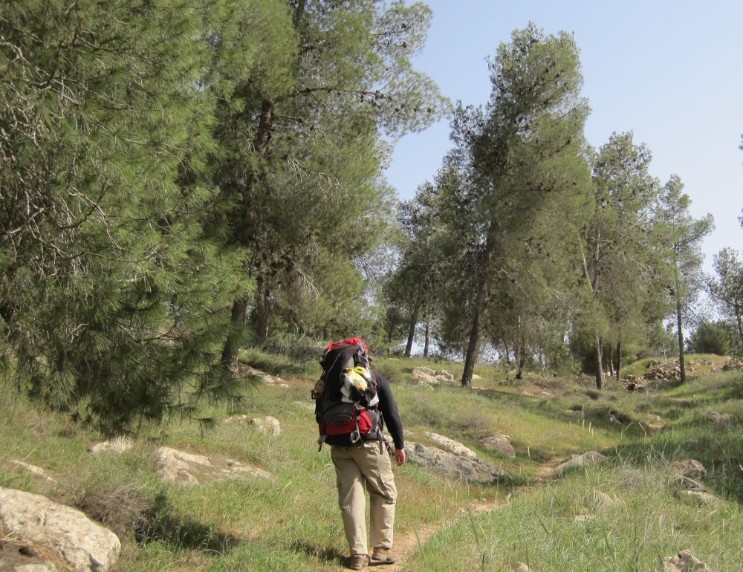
[
  {"x": 327, "y": 555},
  {"x": 161, "y": 524}
]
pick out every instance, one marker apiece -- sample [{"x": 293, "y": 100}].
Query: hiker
[{"x": 362, "y": 461}]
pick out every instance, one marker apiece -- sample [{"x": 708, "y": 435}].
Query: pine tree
[
  {"x": 110, "y": 295},
  {"x": 681, "y": 237},
  {"x": 302, "y": 193},
  {"x": 618, "y": 257},
  {"x": 521, "y": 157}
]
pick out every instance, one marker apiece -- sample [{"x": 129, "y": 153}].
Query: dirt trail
[{"x": 406, "y": 544}]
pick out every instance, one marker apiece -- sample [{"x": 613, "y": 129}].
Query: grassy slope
[{"x": 292, "y": 522}]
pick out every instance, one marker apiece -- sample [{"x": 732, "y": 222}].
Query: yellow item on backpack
[{"x": 357, "y": 376}]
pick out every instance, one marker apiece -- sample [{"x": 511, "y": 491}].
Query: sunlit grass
[{"x": 291, "y": 521}]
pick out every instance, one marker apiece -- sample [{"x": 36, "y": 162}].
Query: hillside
[{"x": 633, "y": 509}]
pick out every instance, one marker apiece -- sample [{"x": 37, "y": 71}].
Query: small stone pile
[{"x": 659, "y": 372}]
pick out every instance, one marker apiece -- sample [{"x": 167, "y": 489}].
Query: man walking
[{"x": 362, "y": 463}]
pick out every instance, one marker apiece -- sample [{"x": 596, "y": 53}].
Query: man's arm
[{"x": 388, "y": 407}]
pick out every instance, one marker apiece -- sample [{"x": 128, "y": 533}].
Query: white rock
[
  {"x": 451, "y": 445},
  {"x": 34, "y": 470},
  {"x": 117, "y": 445},
  {"x": 268, "y": 425},
  {"x": 72, "y": 536}
]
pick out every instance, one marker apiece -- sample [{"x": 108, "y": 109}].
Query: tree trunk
[
  {"x": 522, "y": 359},
  {"x": 414, "y": 319},
  {"x": 427, "y": 338},
  {"x": 738, "y": 319},
  {"x": 239, "y": 307},
  {"x": 232, "y": 343},
  {"x": 610, "y": 360},
  {"x": 618, "y": 362},
  {"x": 682, "y": 365},
  {"x": 473, "y": 345},
  {"x": 599, "y": 364},
  {"x": 261, "y": 311}
]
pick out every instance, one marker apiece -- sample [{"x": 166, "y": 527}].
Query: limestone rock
[
  {"x": 117, "y": 446},
  {"x": 575, "y": 461},
  {"x": 684, "y": 561},
  {"x": 34, "y": 470},
  {"x": 268, "y": 425},
  {"x": 451, "y": 466},
  {"x": 424, "y": 376},
  {"x": 605, "y": 500},
  {"x": 192, "y": 469},
  {"x": 450, "y": 445},
  {"x": 720, "y": 419},
  {"x": 428, "y": 376},
  {"x": 266, "y": 378},
  {"x": 80, "y": 543},
  {"x": 699, "y": 497},
  {"x": 689, "y": 468},
  {"x": 500, "y": 443}
]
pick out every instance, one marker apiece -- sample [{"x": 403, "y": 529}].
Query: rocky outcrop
[
  {"x": 44, "y": 526},
  {"x": 193, "y": 469},
  {"x": 428, "y": 376},
  {"x": 34, "y": 470},
  {"x": 721, "y": 420},
  {"x": 263, "y": 376},
  {"x": 577, "y": 461},
  {"x": 267, "y": 425},
  {"x": 457, "y": 467},
  {"x": 450, "y": 445},
  {"x": 117, "y": 446},
  {"x": 687, "y": 476},
  {"x": 688, "y": 469},
  {"x": 684, "y": 561},
  {"x": 499, "y": 443}
]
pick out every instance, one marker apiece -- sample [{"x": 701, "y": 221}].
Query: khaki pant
[{"x": 366, "y": 465}]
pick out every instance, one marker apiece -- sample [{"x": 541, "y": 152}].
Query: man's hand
[{"x": 400, "y": 457}]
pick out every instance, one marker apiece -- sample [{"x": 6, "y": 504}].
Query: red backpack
[{"x": 346, "y": 401}]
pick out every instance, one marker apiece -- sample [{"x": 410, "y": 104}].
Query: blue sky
[{"x": 671, "y": 72}]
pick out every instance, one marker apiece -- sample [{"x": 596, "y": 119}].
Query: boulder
[
  {"x": 427, "y": 376},
  {"x": 73, "y": 538},
  {"x": 456, "y": 467},
  {"x": 117, "y": 446},
  {"x": 701, "y": 498},
  {"x": 34, "y": 470},
  {"x": 268, "y": 425},
  {"x": 192, "y": 469},
  {"x": 688, "y": 468},
  {"x": 720, "y": 419},
  {"x": 575, "y": 461},
  {"x": 264, "y": 377},
  {"x": 424, "y": 376},
  {"x": 451, "y": 445},
  {"x": 499, "y": 443},
  {"x": 605, "y": 500},
  {"x": 684, "y": 561}
]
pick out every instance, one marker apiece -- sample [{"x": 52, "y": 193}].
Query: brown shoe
[
  {"x": 382, "y": 556},
  {"x": 358, "y": 562}
]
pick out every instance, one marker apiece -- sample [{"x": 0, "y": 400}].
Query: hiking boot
[
  {"x": 382, "y": 556},
  {"x": 358, "y": 562}
]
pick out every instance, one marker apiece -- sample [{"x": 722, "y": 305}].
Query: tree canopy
[{"x": 180, "y": 180}]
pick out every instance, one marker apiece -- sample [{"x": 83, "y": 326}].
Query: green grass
[
  {"x": 292, "y": 522},
  {"x": 609, "y": 518}
]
